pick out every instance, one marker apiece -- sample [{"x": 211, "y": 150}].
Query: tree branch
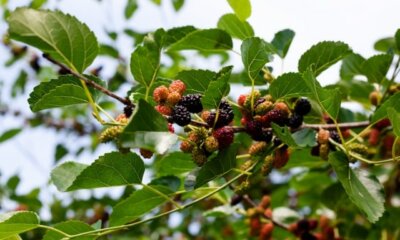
[{"x": 89, "y": 82}]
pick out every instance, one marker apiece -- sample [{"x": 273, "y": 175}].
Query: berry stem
[
  {"x": 396, "y": 140},
  {"x": 106, "y": 114},
  {"x": 177, "y": 205}
]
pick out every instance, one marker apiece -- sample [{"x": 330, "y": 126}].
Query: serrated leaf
[
  {"x": 147, "y": 129},
  {"x": 217, "y": 166},
  {"x": 289, "y": 85},
  {"x": 130, "y": 8},
  {"x": 254, "y": 56},
  {"x": 60, "y": 35},
  {"x": 217, "y": 89},
  {"x": 70, "y": 227},
  {"x": 13, "y": 223},
  {"x": 242, "y": 8},
  {"x": 381, "y": 112},
  {"x": 376, "y": 67},
  {"x": 137, "y": 204},
  {"x": 282, "y": 41},
  {"x": 111, "y": 169},
  {"x": 363, "y": 189},
  {"x": 323, "y": 55},
  {"x": 351, "y": 66},
  {"x": 203, "y": 40},
  {"x": 284, "y": 134},
  {"x": 175, "y": 163},
  {"x": 175, "y": 34},
  {"x": 7, "y": 135},
  {"x": 196, "y": 81},
  {"x": 64, "y": 91},
  {"x": 235, "y": 27},
  {"x": 328, "y": 99},
  {"x": 145, "y": 61},
  {"x": 305, "y": 137},
  {"x": 394, "y": 117}
]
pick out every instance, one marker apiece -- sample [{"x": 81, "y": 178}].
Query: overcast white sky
[{"x": 356, "y": 22}]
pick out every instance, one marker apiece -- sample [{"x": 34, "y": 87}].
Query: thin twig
[{"x": 90, "y": 82}]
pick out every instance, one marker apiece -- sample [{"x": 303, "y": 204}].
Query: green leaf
[
  {"x": 282, "y": 41},
  {"x": 235, "y": 27},
  {"x": 242, "y": 8},
  {"x": 36, "y": 4},
  {"x": 376, "y": 67},
  {"x": 70, "y": 227},
  {"x": 60, "y": 152},
  {"x": 178, "y": 4},
  {"x": 172, "y": 182},
  {"x": 363, "y": 189},
  {"x": 381, "y": 112},
  {"x": 108, "y": 50},
  {"x": 130, "y": 8},
  {"x": 13, "y": 223},
  {"x": 175, "y": 163},
  {"x": 64, "y": 91},
  {"x": 289, "y": 85},
  {"x": 147, "y": 129},
  {"x": 254, "y": 56},
  {"x": 60, "y": 35},
  {"x": 217, "y": 166},
  {"x": 323, "y": 55},
  {"x": 394, "y": 117},
  {"x": 328, "y": 99},
  {"x": 397, "y": 38},
  {"x": 196, "y": 81},
  {"x": 137, "y": 204},
  {"x": 283, "y": 133},
  {"x": 305, "y": 137},
  {"x": 203, "y": 40},
  {"x": 351, "y": 66},
  {"x": 217, "y": 89},
  {"x": 7, "y": 135},
  {"x": 175, "y": 34},
  {"x": 386, "y": 45},
  {"x": 111, "y": 169},
  {"x": 145, "y": 60}
]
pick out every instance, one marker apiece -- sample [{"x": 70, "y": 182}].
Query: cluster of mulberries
[
  {"x": 260, "y": 112},
  {"x": 220, "y": 117},
  {"x": 259, "y": 219},
  {"x": 324, "y": 146},
  {"x": 112, "y": 133},
  {"x": 202, "y": 142},
  {"x": 172, "y": 103}
]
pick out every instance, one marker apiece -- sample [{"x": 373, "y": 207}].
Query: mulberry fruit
[
  {"x": 181, "y": 116},
  {"x": 177, "y": 86},
  {"x": 192, "y": 103},
  {"x": 302, "y": 107},
  {"x": 276, "y": 116},
  {"x": 334, "y": 135},
  {"x": 173, "y": 98},
  {"x": 295, "y": 121},
  {"x": 160, "y": 94},
  {"x": 211, "y": 144},
  {"x": 224, "y": 136}
]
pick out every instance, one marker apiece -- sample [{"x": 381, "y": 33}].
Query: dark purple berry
[
  {"x": 254, "y": 129},
  {"x": 295, "y": 121},
  {"x": 335, "y": 136},
  {"x": 128, "y": 110},
  {"x": 277, "y": 116},
  {"x": 224, "y": 118},
  {"x": 192, "y": 102},
  {"x": 277, "y": 142},
  {"x": 302, "y": 107},
  {"x": 267, "y": 135},
  {"x": 224, "y": 136},
  {"x": 180, "y": 115}
]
